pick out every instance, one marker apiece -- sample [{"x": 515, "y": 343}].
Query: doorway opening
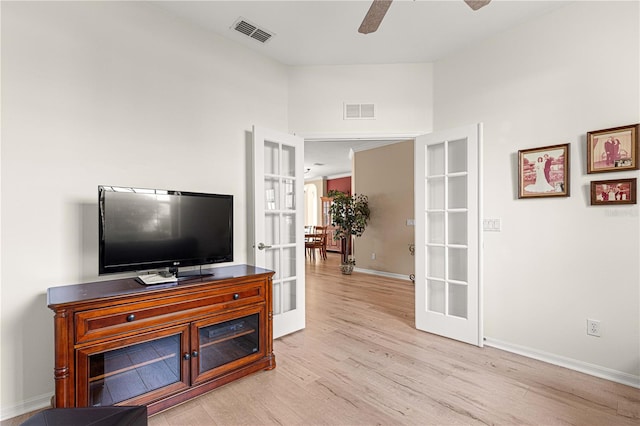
[{"x": 447, "y": 193}]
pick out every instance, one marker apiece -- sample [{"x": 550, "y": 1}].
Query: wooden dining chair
[
  {"x": 313, "y": 242},
  {"x": 322, "y": 232}
]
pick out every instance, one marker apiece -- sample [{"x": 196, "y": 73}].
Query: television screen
[{"x": 142, "y": 229}]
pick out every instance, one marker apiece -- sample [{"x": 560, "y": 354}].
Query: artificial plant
[{"x": 350, "y": 215}]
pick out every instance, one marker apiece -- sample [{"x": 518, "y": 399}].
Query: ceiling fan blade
[
  {"x": 477, "y": 4},
  {"x": 374, "y": 16}
]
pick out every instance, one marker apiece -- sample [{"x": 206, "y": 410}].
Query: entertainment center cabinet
[{"x": 119, "y": 342}]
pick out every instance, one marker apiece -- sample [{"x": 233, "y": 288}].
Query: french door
[
  {"x": 448, "y": 239},
  {"x": 278, "y": 223}
]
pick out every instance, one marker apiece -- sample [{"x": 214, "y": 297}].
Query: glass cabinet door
[
  {"x": 140, "y": 368},
  {"x": 227, "y": 343}
]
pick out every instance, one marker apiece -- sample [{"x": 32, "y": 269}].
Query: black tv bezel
[{"x": 172, "y": 264}]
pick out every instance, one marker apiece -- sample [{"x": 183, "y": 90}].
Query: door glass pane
[
  {"x": 289, "y": 225},
  {"x": 435, "y": 194},
  {"x": 457, "y": 198},
  {"x": 271, "y": 162},
  {"x": 288, "y": 296},
  {"x": 288, "y": 161},
  {"x": 435, "y": 262},
  {"x": 271, "y": 194},
  {"x": 435, "y": 296},
  {"x": 272, "y": 261},
  {"x": 458, "y": 300},
  {"x": 271, "y": 229},
  {"x": 228, "y": 341},
  {"x": 289, "y": 194},
  {"x": 457, "y": 156},
  {"x": 121, "y": 374},
  {"x": 458, "y": 228},
  {"x": 435, "y": 228},
  {"x": 435, "y": 160},
  {"x": 458, "y": 264},
  {"x": 288, "y": 267}
]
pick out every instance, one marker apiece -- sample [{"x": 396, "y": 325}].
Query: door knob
[{"x": 261, "y": 246}]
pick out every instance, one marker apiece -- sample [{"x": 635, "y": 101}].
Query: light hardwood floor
[{"x": 361, "y": 361}]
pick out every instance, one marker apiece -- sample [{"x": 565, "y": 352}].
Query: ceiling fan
[{"x": 379, "y": 8}]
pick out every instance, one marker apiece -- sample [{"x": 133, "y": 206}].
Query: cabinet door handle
[
  {"x": 187, "y": 357},
  {"x": 130, "y": 317},
  {"x": 236, "y": 296},
  {"x": 194, "y": 354}
]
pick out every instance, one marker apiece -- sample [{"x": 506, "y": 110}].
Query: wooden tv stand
[{"x": 122, "y": 343}]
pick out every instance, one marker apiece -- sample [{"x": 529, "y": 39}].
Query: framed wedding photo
[
  {"x": 612, "y": 150},
  {"x": 543, "y": 172},
  {"x": 615, "y": 191}
]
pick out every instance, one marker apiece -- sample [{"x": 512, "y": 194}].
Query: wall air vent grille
[
  {"x": 244, "y": 27},
  {"x": 359, "y": 111},
  {"x": 260, "y": 35},
  {"x": 250, "y": 30}
]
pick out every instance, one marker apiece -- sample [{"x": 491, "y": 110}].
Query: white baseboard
[
  {"x": 24, "y": 407},
  {"x": 572, "y": 364},
  {"x": 382, "y": 274}
]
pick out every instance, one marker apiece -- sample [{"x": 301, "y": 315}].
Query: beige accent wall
[{"x": 385, "y": 175}]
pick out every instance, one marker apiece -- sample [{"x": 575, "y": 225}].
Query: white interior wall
[
  {"x": 113, "y": 93},
  {"x": 402, "y": 94},
  {"x": 557, "y": 261},
  {"x": 123, "y": 94}
]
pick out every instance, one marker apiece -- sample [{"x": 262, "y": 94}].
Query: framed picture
[
  {"x": 615, "y": 191},
  {"x": 612, "y": 150},
  {"x": 543, "y": 172}
]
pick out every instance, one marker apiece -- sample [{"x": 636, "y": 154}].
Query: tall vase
[{"x": 346, "y": 264}]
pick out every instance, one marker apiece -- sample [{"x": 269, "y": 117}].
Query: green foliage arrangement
[{"x": 350, "y": 215}]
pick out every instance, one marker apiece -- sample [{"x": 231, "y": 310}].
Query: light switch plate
[{"x": 492, "y": 225}]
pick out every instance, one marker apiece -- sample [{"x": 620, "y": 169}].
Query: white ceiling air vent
[
  {"x": 251, "y": 30},
  {"x": 359, "y": 111}
]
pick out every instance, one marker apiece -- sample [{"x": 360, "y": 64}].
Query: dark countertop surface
[{"x": 127, "y": 286}]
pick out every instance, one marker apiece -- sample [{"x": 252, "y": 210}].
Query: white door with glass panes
[
  {"x": 278, "y": 225},
  {"x": 448, "y": 234}
]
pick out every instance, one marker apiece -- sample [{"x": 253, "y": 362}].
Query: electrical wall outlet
[
  {"x": 373, "y": 256},
  {"x": 593, "y": 327}
]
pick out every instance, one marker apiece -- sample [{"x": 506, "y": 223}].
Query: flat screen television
[{"x": 144, "y": 229}]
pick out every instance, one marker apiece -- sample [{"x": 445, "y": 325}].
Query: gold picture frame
[
  {"x": 544, "y": 172},
  {"x": 613, "y": 150},
  {"x": 614, "y": 191}
]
